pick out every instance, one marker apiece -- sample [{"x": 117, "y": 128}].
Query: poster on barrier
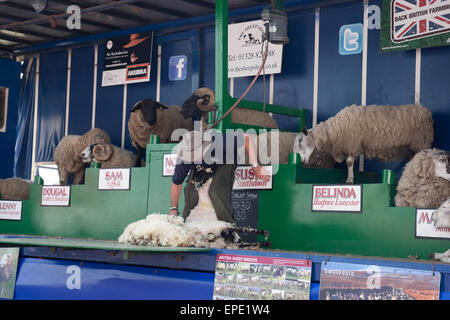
[
  {"x": 9, "y": 258},
  {"x": 241, "y": 277},
  {"x": 348, "y": 281}
]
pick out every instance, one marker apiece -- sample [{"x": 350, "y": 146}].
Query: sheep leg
[
  {"x": 444, "y": 257},
  {"x": 63, "y": 177},
  {"x": 138, "y": 156},
  {"x": 78, "y": 177},
  {"x": 350, "y": 172}
]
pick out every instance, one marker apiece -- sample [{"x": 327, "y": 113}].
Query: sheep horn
[
  {"x": 102, "y": 152},
  {"x": 206, "y": 99}
]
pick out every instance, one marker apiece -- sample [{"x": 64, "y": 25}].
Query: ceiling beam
[
  {"x": 201, "y": 3},
  {"x": 151, "y": 7}
]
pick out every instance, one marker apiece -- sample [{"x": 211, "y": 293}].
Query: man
[{"x": 214, "y": 158}]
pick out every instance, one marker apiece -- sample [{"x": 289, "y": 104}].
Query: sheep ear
[{"x": 305, "y": 131}]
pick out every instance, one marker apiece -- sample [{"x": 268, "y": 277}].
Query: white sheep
[
  {"x": 67, "y": 154},
  {"x": 120, "y": 158},
  {"x": 14, "y": 189},
  {"x": 441, "y": 219},
  {"x": 201, "y": 228},
  {"x": 387, "y": 133},
  {"x": 425, "y": 180}
]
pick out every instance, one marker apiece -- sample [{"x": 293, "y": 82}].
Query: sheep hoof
[{"x": 349, "y": 181}]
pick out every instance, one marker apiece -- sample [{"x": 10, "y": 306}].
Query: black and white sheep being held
[
  {"x": 387, "y": 133},
  {"x": 67, "y": 154}
]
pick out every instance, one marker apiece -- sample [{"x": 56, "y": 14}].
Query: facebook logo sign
[
  {"x": 351, "y": 39},
  {"x": 177, "y": 68}
]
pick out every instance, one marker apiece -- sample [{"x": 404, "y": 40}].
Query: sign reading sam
[
  {"x": 114, "y": 179},
  {"x": 338, "y": 198}
]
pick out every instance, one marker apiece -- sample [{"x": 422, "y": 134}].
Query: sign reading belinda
[
  {"x": 245, "y": 179},
  {"x": 10, "y": 210},
  {"x": 114, "y": 179},
  {"x": 58, "y": 196},
  {"x": 339, "y": 198}
]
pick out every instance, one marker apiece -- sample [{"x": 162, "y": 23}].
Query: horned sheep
[
  {"x": 67, "y": 154},
  {"x": 387, "y": 133},
  {"x": 149, "y": 117},
  {"x": 120, "y": 158}
]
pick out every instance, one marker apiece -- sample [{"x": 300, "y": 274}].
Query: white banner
[
  {"x": 10, "y": 210},
  {"x": 425, "y": 226},
  {"x": 58, "y": 196},
  {"x": 339, "y": 198},
  {"x": 245, "y": 179},
  {"x": 245, "y": 50},
  {"x": 114, "y": 179}
]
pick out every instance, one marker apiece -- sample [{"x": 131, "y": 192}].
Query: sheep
[
  {"x": 441, "y": 219},
  {"x": 384, "y": 132},
  {"x": 201, "y": 229},
  {"x": 149, "y": 117},
  {"x": 253, "y": 118},
  {"x": 67, "y": 154},
  {"x": 286, "y": 143},
  {"x": 14, "y": 189},
  {"x": 6, "y": 271},
  {"x": 425, "y": 180},
  {"x": 120, "y": 158}
]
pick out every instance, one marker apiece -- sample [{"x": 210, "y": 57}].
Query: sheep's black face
[{"x": 189, "y": 108}]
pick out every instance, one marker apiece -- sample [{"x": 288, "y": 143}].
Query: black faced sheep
[
  {"x": 201, "y": 229},
  {"x": 384, "y": 132},
  {"x": 14, "y": 189},
  {"x": 67, "y": 154},
  {"x": 149, "y": 117},
  {"x": 120, "y": 158},
  {"x": 425, "y": 180}
]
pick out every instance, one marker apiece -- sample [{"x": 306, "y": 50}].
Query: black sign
[{"x": 245, "y": 211}]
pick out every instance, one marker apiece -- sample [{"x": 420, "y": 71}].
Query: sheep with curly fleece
[
  {"x": 425, "y": 180},
  {"x": 387, "y": 133},
  {"x": 67, "y": 154},
  {"x": 14, "y": 189},
  {"x": 149, "y": 117},
  {"x": 120, "y": 158},
  {"x": 441, "y": 219}
]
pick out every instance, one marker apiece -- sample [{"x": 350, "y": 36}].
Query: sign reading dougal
[
  {"x": 58, "y": 196},
  {"x": 425, "y": 227},
  {"x": 10, "y": 210},
  {"x": 114, "y": 179},
  {"x": 338, "y": 198}
]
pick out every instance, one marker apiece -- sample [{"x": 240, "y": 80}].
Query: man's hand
[
  {"x": 173, "y": 212},
  {"x": 262, "y": 173}
]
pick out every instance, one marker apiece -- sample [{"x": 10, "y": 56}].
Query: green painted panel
[{"x": 380, "y": 230}]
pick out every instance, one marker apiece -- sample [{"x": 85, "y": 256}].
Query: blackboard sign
[{"x": 245, "y": 211}]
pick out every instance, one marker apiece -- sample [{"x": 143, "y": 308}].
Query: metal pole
[{"x": 221, "y": 64}]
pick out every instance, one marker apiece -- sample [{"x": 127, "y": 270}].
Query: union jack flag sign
[{"x": 413, "y": 19}]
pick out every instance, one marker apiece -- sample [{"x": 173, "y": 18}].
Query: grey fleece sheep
[
  {"x": 14, "y": 189},
  {"x": 425, "y": 180},
  {"x": 286, "y": 144},
  {"x": 120, "y": 158},
  {"x": 385, "y": 132},
  {"x": 67, "y": 154}
]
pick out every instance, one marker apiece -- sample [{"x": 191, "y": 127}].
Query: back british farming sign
[
  {"x": 127, "y": 59},
  {"x": 411, "y": 24}
]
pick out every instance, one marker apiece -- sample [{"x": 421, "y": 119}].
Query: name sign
[
  {"x": 337, "y": 198},
  {"x": 58, "y": 196},
  {"x": 169, "y": 163},
  {"x": 10, "y": 210},
  {"x": 245, "y": 179},
  {"x": 114, "y": 179},
  {"x": 425, "y": 226}
]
